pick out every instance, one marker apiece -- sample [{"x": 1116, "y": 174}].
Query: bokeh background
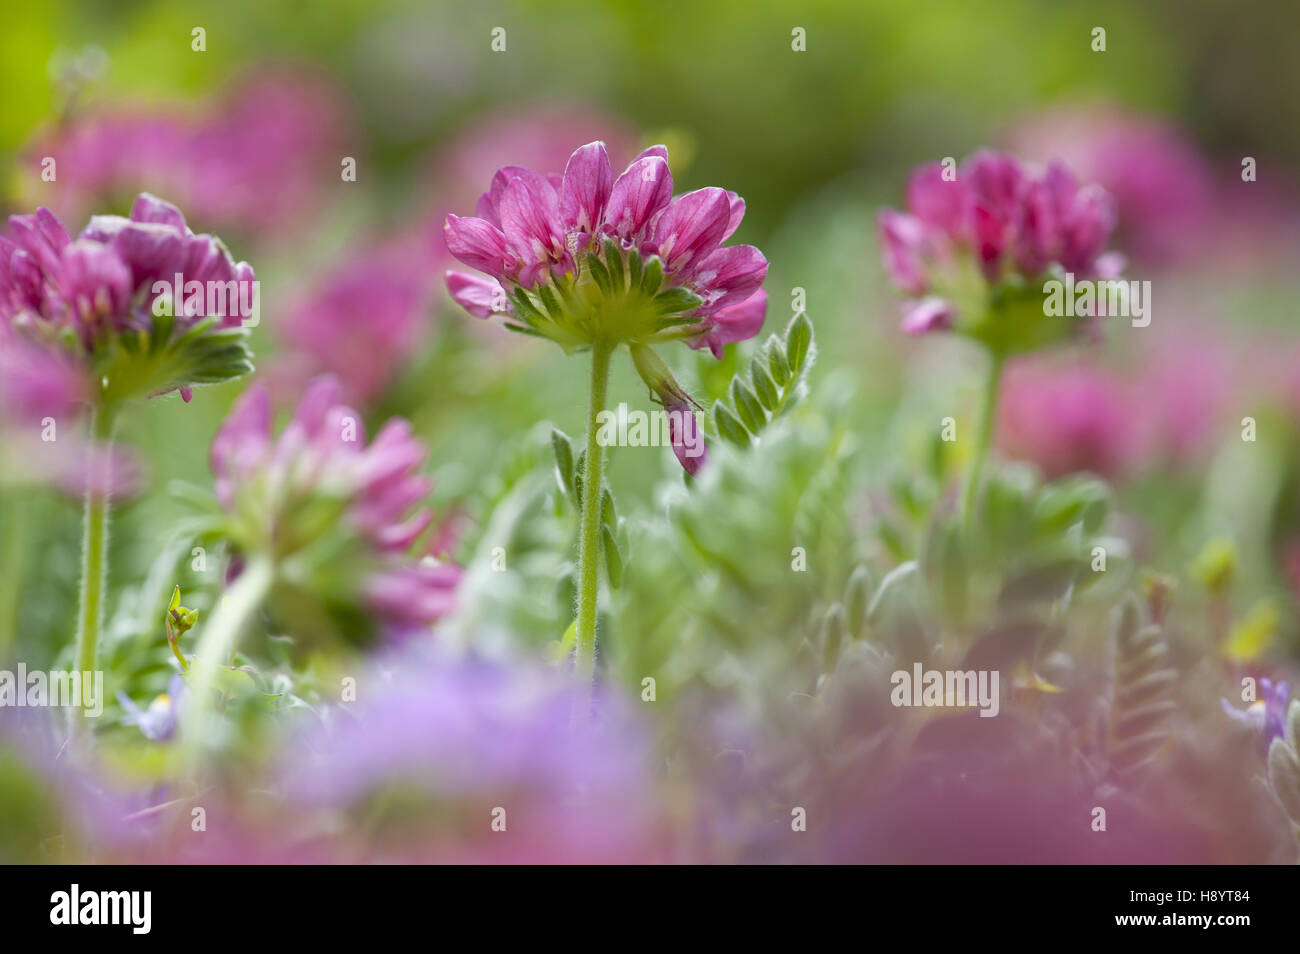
[{"x": 248, "y": 137}]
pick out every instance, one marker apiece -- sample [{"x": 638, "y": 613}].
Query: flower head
[
  {"x": 142, "y": 303},
  {"x": 588, "y": 257},
  {"x": 974, "y": 242},
  {"x": 334, "y": 514}
]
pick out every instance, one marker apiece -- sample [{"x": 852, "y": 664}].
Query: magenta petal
[
  {"x": 478, "y": 243},
  {"x": 530, "y": 220},
  {"x": 481, "y": 297},
  {"x": 902, "y": 246},
  {"x": 94, "y": 278},
  {"x": 241, "y": 441},
  {"x": 51, "y": 229},
  {"x": 937, "y": 201},
  {"x": 640, "y": 192},
  {"x": 928, "y": 314},
  {"x": 151, "y": 209},
  {"x": 658, "y": 151},
  {"x": 687, "y": 439},
  {"x": 738, "y": 322},
  {"x": 691, "y": 227},
  {"x": 588, "y": 179},
  {"x": 32, "y": 234},
  {"x": 1038, "y": 233},
  {"x": 1087, "y": 230},
  {"x": 736, "y": 217},
  {"x": 727, "y": 276},
  {"x": 994, "y": 179}
]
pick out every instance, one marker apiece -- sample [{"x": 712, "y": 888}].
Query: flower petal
[
  {"x": 641, "y": 191},
  {"x": 588, "y": 179}
]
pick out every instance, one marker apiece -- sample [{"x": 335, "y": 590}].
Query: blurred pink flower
[
  {"x": 996, "y": 217},
  {"x": 255, "y": 160},
  {"x": 361, "y": 322},
  {"x": 1160, "y": 182},
  {"x": 277, "y": 492},
  {"x": 1067, "y": 418}
]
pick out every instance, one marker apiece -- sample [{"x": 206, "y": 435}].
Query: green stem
[
  {"x": 94, "y": 541},
  {"x": 988, "y": 412},
  {"x": 17, "y": 534},
  {"x": 220, "y": 637},
  {"x": 589, "y": 520}
]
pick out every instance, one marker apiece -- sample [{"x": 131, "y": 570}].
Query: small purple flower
[
  {"x": 158, "y": 721},
  {"x": 1267, "y": 715},
  {"x": 588, "y": 256},
  {"x": 318, "y": 488},
  {"x": 994, "y": 221}
]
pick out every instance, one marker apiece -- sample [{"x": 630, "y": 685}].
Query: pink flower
[
  {"x": 587, "y": 256},
  {"x": 532, "y": 231},
  {"x": 278, "y": 492},
  {"x": 998, "y": 218},
  {"x": 93, "y": 298}
]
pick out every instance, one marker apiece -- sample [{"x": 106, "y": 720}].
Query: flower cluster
[
  {"x": 333, "y": 514},
  {"x": 972, "y": 238},
  {"x": 587, "y": 257},
  {"x": 110, "y": 298}
]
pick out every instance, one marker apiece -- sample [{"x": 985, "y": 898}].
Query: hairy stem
[
  {"x": 983, "y": 438},
  {"x": 94, "y": 538},
  {"x": 589, "y": 519}
]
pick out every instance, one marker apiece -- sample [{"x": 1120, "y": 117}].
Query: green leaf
[
  {"x": 764, "y": 386},
  {"x": 798, "y": 342},
  {"x": 613, "y": 559},
  {"x": 599, "y": 272},
  {"x": 836, "y": 635},
  {"x": 675, "y": 300},
  {"x": 751, "y": 412},
  {"x": 857, "y": 597},
  {"x": 654, "y": 275},
  {"x": 608, "y": 515},
  {"x": 634, "y": 269},
  {"x": 729, "y": 426},
  {"x": 776, "y": 360},
  {"x": 614, "y": 262},
  {"x": 563, "y": 448}
]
